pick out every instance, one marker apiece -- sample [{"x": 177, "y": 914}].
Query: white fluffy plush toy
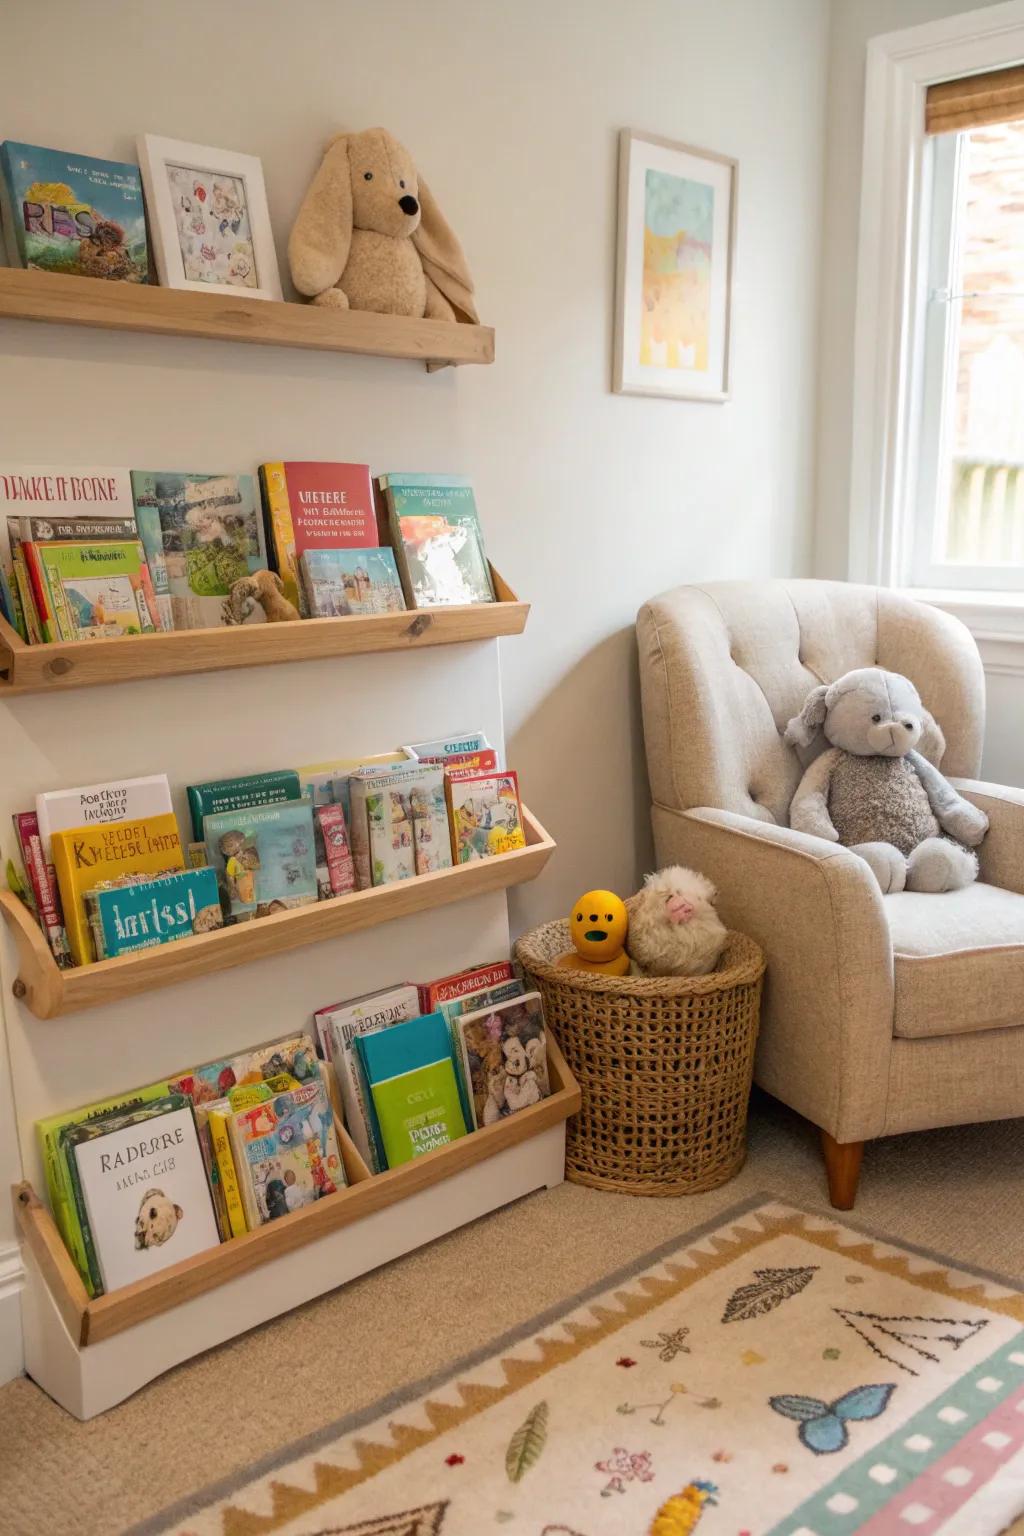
[{"x": 674, "y": 929}]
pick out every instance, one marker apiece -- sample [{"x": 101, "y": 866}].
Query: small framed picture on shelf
[
  {"x": 677, "y": 227},
  {"x": 208, "y": 218}
]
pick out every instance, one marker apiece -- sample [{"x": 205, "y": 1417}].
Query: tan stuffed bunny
[{"x": 369, "y": 235}]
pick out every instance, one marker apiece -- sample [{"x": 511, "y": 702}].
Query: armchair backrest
[{"x": 724, "y": 666}]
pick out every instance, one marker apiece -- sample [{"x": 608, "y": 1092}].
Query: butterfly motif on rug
[{"x": 823, "y": 1425}]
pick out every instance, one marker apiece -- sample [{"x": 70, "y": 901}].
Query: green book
[
  {"x": 95, "y": 590},
  {"x": 411, "y": 1077},
  {"x": 437, "y": 540},
  {"x": 240, "y": 794}
]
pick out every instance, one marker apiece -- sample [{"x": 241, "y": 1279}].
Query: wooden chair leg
[{"x": 842, "y": 1165}]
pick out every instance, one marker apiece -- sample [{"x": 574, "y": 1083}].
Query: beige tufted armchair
[{"x": 882, "y": 1014}]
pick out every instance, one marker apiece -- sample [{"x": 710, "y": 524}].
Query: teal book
[
  {"x": 343, "y": 581},
  {"x": 264, "y": 858},
  {"x": 411, "y": 1078},
  {"x": 73, "y": 213},
  {"x": 148, "y": 913},
  {"x": 436, "y": 536},
  {"x": 238, "y": 794}
]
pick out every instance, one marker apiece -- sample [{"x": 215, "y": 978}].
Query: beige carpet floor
[{"x": 959, "y": 1192}]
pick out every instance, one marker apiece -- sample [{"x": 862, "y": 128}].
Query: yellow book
[
  {"x": 218, "y": 1118},
  {"x": 85, "y": 856},
  {"x": 281, "y": 533}
]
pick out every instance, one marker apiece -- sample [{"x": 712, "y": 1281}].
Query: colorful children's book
[
  {"x": 92, "y": 804},
  {"x": 264, "y": 858},
  {"x": 451, "y": 1011},
  {"x": 92, "y": 591},
  {"x": 436, "y": 537},
  {"x": 380, "y": 824},
  {"x": 143, "y": 1185},
  {"x": 147, "y": 521},
  {"x": 475, "y": 979},
  {"x": 486, "y": 815},
  {"x": 147, "y": 913},
  {"x": 43, "y": 880},
  {"x": 336, "y": 582},
  {"x": 212, "y": 536},
  {"x": 337, "y": 1027},
  {"x": 294, "y": 1055},
  {"x": 218, "y": 1115},
  {"x": 504, "y": 1057},
  {"x": 238, "y": 794},
  {"x": 85, "y": 856},
  {"x": 341, "y": 873},
  {"x": 330, "y": 783},
  {"x": 286, "y": 1153},
  {"x": 431, "y": 833},
  {"x": 73, "y": 213},
  {"x": 411, "y": 1078},
  {"x": 311, "y": 506},
  {"x": 446, "y": 749}
]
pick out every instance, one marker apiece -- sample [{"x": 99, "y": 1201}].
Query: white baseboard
[{"x": 12, "y": 1277}]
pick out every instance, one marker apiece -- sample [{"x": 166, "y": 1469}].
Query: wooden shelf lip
[
  {"x": 89, "y": 663},
  {"x": 50, "y": 992},
  {"x": 89, "y": 1322},
  {"x": 58, "y": 299}
]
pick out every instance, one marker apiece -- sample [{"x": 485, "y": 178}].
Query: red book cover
[
  {"x": 315, "y": 506},
  {"x": 43, "y": 880},
  {"x": 462, "y": 983},
  {"x": 339, "y": 857}
]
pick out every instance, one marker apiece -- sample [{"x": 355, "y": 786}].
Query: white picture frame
[
  {"x": 225, "y": 229},
  {"x": 676, "y": 255}
]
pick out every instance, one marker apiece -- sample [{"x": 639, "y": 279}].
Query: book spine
[
  {"x": 378, "y": 1157},
  {"x": 92, "y": 1276},
  {"x": 10, "y": 220},
  {"x": 243, "y": 1176},
  {"x": 357, "y": 1121},
  {"x": 220, "y": 1209},
  {"x": 281, "y": 533},
  {"x": 359, "y": 835},
  {"x": 33, "y": 632},
  {"x": 221, "y": 1145},
  {"x": 41, "y": 593},
  {"x": 44, "y": 886},
  {"x": 147, "y": 520},
  {"x": 145, "y": 597}
]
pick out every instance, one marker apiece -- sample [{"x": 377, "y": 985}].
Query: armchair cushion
[{"x": 959, "y": 960}]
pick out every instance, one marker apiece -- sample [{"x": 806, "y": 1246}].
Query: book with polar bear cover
[{"x": 143, "y": 1193}]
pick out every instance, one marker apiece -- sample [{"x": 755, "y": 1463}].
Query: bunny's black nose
[{"x": 408, "y": 204}]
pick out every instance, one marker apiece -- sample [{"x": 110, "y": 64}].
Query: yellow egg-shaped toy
[{"x": 598, "y": 924}]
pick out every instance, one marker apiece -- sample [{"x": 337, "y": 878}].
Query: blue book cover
[
  {"x": 264, "y": 858},
  {"x": 410, "y": 1074},
  {"x": 342, "y": 581},
  {"x": 73, "y": 213},
  {"x": 151, "y": 912}
]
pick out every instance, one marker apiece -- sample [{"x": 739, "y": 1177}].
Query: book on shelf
[
  {"x": 212, "y": 536},
  {"x": 330, "y": 783},
  {"x": 503, "y": 1050},
  {"x": 143, "y": 913},
  {"x": 72, "y": 213},
  {"x": 436, "y": 536},
  {"x": 142, "y": 1191},
  {"x": 91, "y": 591},
  {"x": 264, "y": 858},
  {"x": 337, "y": 1028},
  {"x": 42, "y": 878},
  {"x": 472, "y": 1002},
  {"x": 431, "y": 833},
  {"x": 239, "y": 794},
  {"x": 85, "y": 856},
  {"x": 389, "y": 806},
  {"x": 285, "y": 1153},
  {"x": 223, "y": 1160},
  {"x": 314, "y": 506},
  {"x": 337, "y": 582},
  {"x": 474, "y": 979},
  {"x": 292, "y": 1055},
  {"x": 341, "y": 874},
  {"x": 93, "y": 804},
  {"x": 463, "y": 746},
  {"x": 411, "y": 1077},
  {"x": 486, "y": 815}
]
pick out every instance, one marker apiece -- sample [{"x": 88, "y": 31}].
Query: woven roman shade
[{"x": 976, "y": 101}]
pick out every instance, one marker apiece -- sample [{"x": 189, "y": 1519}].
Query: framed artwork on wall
[
  {"x": 677, "y": 231},
  {"x": 208, "y": 218}
]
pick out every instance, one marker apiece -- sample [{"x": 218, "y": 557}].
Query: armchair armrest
[
  {"x": 1001, "y": 855},
  {"x": 815, "y": 907}
]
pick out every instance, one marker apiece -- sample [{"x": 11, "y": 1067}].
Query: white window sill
[{"x": 995, "y": 619}]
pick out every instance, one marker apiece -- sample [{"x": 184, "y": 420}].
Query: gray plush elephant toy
[{"x": 877, "y": 795}]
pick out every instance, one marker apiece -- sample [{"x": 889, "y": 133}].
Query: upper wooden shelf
[
  {"x": 218, "y": 316},
  {"x": 49, "y": 992},
  {"x": 86, "y": 663}
]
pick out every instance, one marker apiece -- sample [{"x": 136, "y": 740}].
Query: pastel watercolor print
[
  {"x": 675, "y": 321},
  {"x": 211, "y": 215}
]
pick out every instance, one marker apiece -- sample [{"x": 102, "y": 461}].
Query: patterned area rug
[{"x": 778, "y": 1374}]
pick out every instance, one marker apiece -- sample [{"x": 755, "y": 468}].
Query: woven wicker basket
[{"x": 665, "y": 1066}]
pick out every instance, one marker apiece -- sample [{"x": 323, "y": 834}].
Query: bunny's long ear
[
  {"x": 932, "y": 744},
  {"x": 801, "y": 729},
  {"x": 318, "y": 245},
  {"x": 442, "y": 256}
]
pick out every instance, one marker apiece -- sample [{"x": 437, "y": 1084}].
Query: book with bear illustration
[
  {"x": 504, "y": 1057},
  {"x": 264, "y": 857}
]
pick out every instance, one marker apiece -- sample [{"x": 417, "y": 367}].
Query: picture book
[
  {"x": 286, "y": 1153},
  {"x": 431, "y": 834},
  {"x": 73, "y": 213},
  {"x": 337, "y": 1027},
  {"x": 217, "y": 1115},
  {"x": 340, "y": 869},
  {"x": 462, "y": 983},
  {"x": 504, "y": 1057},
  {"x": 212, "y": 536},
  {"x": 58, "y": 1184},
  {"x": 148, "y": 913},
  {"x": 411, "y": 1078},
  {"x": 239, "y": 794},
  {"x": 336, "y": 582},
  {"x": 472, "y": 1003},
  {"x": 91, "y": 804},
  {"x": 380, "y": 824},
  {"x": 204, "y": 1132},
  {"x": 264, "y": 858},
  {"x": 43, "y": 880},
  {"x": 437, "y": 540},
  {"x": 330, "y": 783},
  {"x": 147, "y": 522},
  {"x": 486, "y": 815},
  {"x": 294, "y": 1056},
  {"x": 145, "y": 1191},
  {"x": 447, "y": 748},
  {"x": 92, "y": 591},
  {"x": 58, "y": 500},
  {"x": 310, "y": 506},
  {"x": 85, "y": 856}
]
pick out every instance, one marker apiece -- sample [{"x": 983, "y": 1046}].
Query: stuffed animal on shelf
[
  {"x": 263, "y": 589},
  {"x": 598, "y": 924},
  {"x": 674, "y": 929},
  {"x": 369, "y": 235},
  {"x": 875, "y": 793}
]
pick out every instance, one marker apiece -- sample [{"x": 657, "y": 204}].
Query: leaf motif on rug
[
  {"x": 428, "y": 1520},
  {"x": 768, "y": 1290},
  {"x": 526, "y": 1445},
  {"x": 910, "y": 1333},
  {"x": 669, "y": 1344},
  {"x": 823, "y": 1425}
]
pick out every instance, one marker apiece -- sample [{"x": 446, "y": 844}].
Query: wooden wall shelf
[
  {"x": 87, "y": 663},
  {"x": 91, "y": 1322},
  {"x": 62, "y": 300},
  {"x": 50, "y": 992}
]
